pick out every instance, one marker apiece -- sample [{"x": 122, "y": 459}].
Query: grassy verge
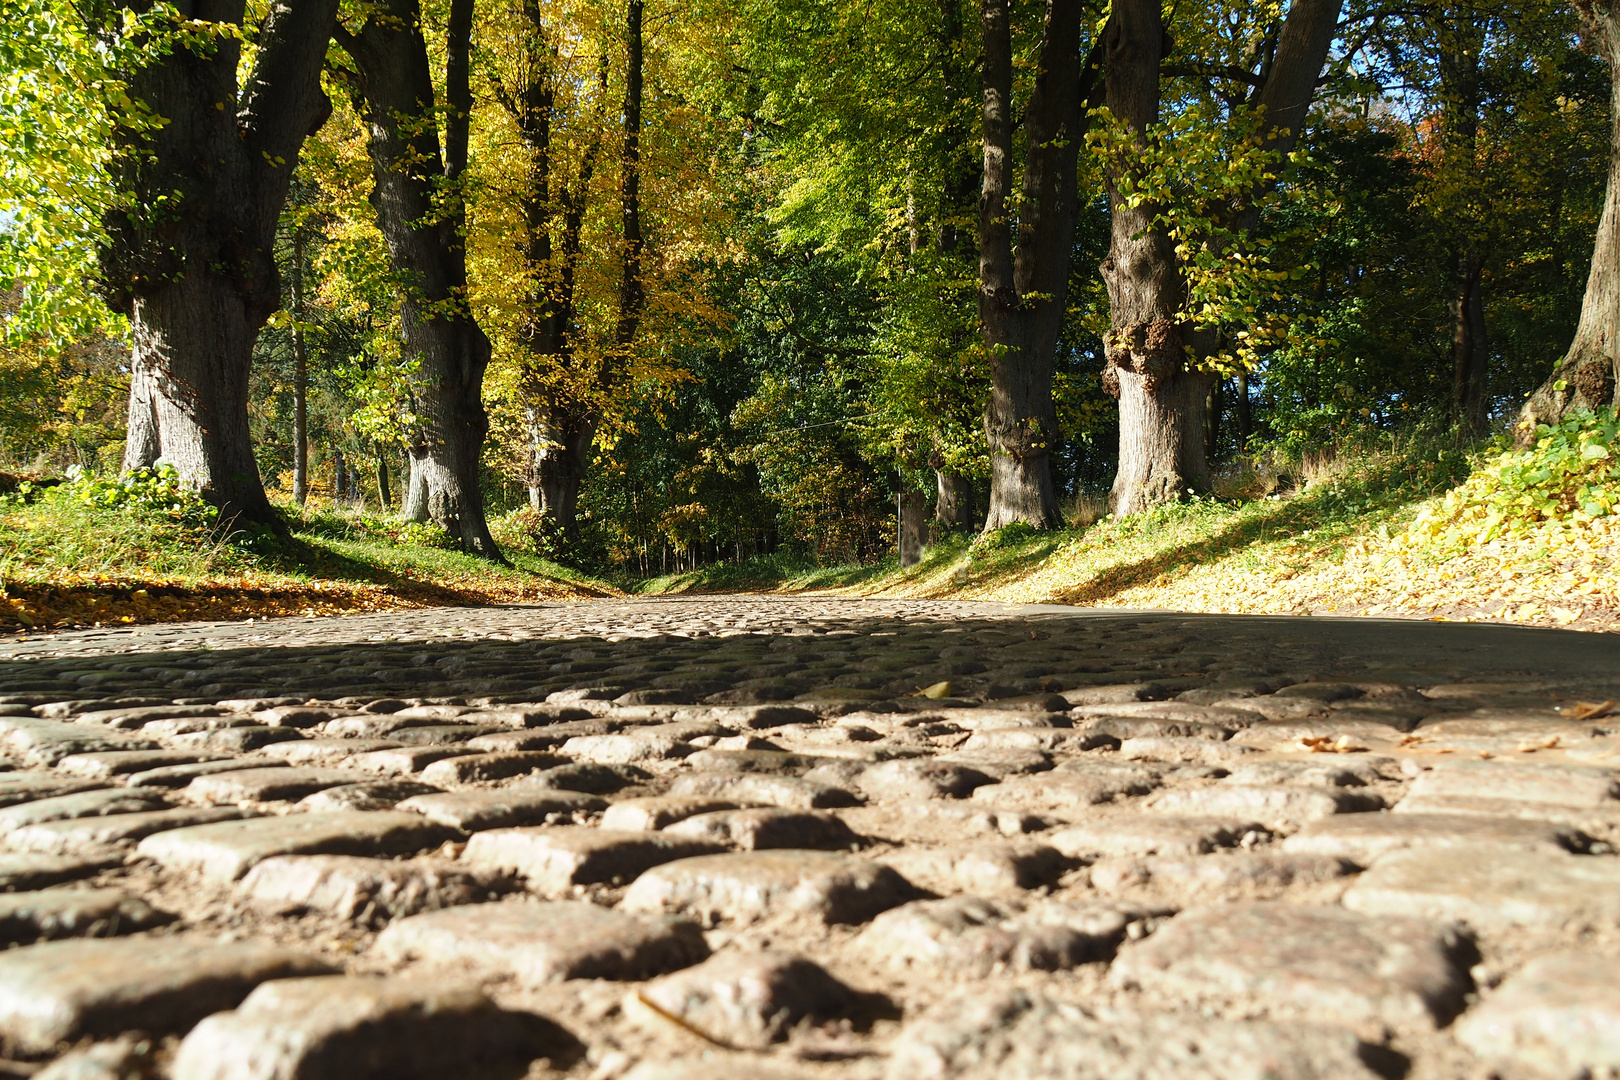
[
  {"x": 1415, "y": 528},
  {"x": 67, "y": 558}
]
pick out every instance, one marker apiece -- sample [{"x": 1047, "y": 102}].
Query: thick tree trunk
[
  {"x": 1588, "y": 374},
  {"x": 393, "y": 88},
  {"x": 1022, "y": 291},
  {"x": 198, "y": 277},
  {"x": 141, "y": 448},
  {"x": 196, "y": 339},
  {"x": 300, "y": 377},
  {"x": 1161, "y": 401},
  {"x": 561, "y": 417},
  {"x": 415, "y": 506},
  {"x": 559, "y": 458},
  {"x": 953, "y": 507},
  {"x": 1152, "y": 354}
]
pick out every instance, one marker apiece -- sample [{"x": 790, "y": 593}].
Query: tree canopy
[{"x": 659, "y": 283}]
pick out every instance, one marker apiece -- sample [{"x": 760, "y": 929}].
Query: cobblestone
[
  {"x": 336, "y": 1028},
  {"x": 1126, "y": 845},
  {"x": 546, "y": 942}
]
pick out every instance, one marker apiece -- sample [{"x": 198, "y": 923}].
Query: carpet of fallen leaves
[
  {"x": 1553, "y": 575},
  {"x": 35, "y": 607}
]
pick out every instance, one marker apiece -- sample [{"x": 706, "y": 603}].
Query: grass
[
  {"x": 67, "y": 562},
  {"x": 1420, "y": 526},
  {"x": 1386, "y": 529}
]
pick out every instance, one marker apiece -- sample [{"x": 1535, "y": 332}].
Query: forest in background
[{"x": 728, "y": 277}]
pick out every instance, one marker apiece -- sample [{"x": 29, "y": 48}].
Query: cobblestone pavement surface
[{"x": 746, "y": 838}]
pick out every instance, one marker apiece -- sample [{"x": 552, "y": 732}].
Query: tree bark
[
  {"x": 1245, "y": 412},
  {"x": 1022, "y": 291},
  {"x": 1152, "y": 352},
  {"x": 561, "y": 417},
  {"x": 385, "y": 498},
  {"x": 1462, "y": 46},
  {"x": 141, "y": 443},
  {"x": 632, "y": 295},
  {"x": 953, "y": 506},
  {"x": 1470, "y": 405},
  {"x": 415, "y": 506},
  {"x": 300, "y": 376},
  {"x": 1589, "y": 372},
  {"x": 393, "y": 91},
  {"x": 340, "y": 477},
  {"x": 196, "y": 275}
]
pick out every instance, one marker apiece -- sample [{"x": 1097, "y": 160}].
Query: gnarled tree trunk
[
  {"x": 1022, "y": 291},
  {"x": 1153, "y": 353},
  {"x": 1587, "y": 376},
  {"x": 393, "y": 91},
  {"x": 197, "y": 276}
]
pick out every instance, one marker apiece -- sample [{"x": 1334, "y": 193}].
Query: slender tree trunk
[
  {"x": 1461, "y": 89},
  {"x": 385, "y": 497},
  {"x": 197, "y": 277},
  {"x": 1022, "y": 291},
  {"x": 632, "y": 295},
  {"x": 393, "y": 90},
  {"x": 340, "y": 477},
  {"x": 300, "y": 376},
  {"x": 1470, "y": 405},
  {"x": 1589, "y": 372},
  {"x": 1245, "y": 414},
  {"x": 1152, "y": 352}
]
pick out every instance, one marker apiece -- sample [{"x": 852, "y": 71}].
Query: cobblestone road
[{"x": 747, "y": 838}]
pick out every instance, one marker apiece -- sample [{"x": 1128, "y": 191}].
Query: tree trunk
[
  {"x": 1022, "y": 291},
  {"x": 300, "y": 377},
  {"x": 561, "y": 416},
  {"x": 1460, "y": 56},
  {"x": 141, "y": 449},
  {"x": 1589, "y": 372},
  {"x": 1161, "y": 401},
  {"x": 393, "y": 91},
  {"x": 415, "y": 506},
  {"x": 340, "y": 477},
  {"x": 1245, "y": 412},
  {"x": 1470, "y": 405},
  {"x": 197, "y": 277},
  {"x": 1212, "y": 419},
  {"x": 1151, "y": 351},
  {"x": 559, "y": 457},
  {"x": 631, "y": 293},
  {"x": 385, "y": 498},
  {"x": 953, "y": 507}
]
